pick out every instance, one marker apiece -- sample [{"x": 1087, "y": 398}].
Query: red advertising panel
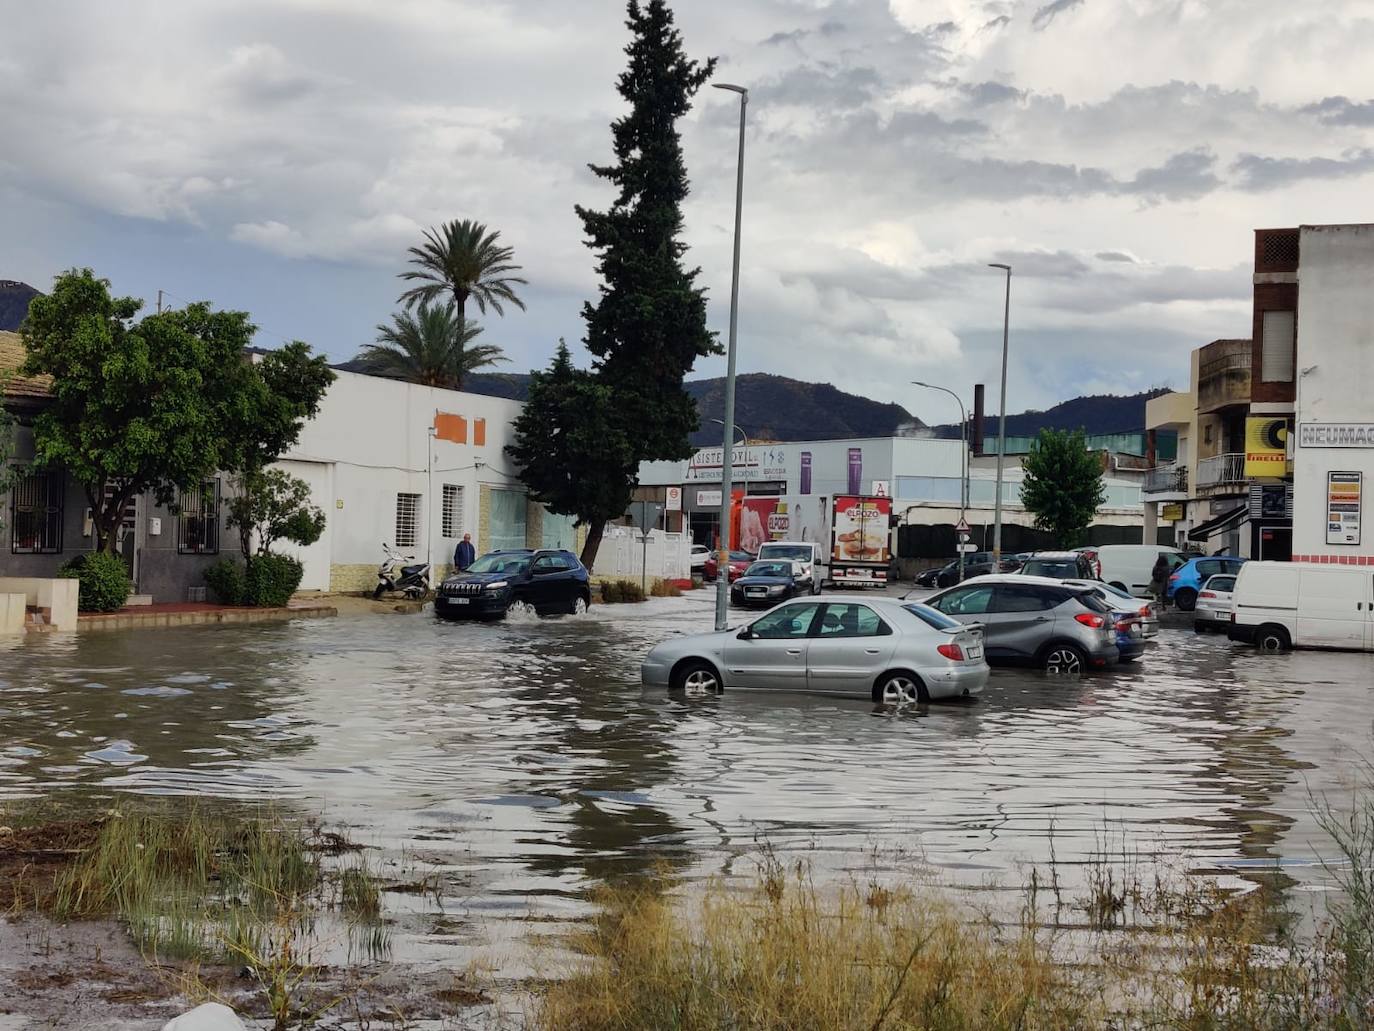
[
  {"x": 754, "y": 518},
  {"x": 861, "y": 530}
]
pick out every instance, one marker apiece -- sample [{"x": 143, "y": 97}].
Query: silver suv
[{"x": 1034, "y": 620}]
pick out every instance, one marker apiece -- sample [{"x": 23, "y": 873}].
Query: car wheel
[
  {"x": 1065, "y": 658},
  {"x": 580, "y": 605},
  {"x": 900, "y": 688},
  {"x": 521, "y": 608},
  {"x": 1272, "y": 639},
  {"x": 696, "y": 676},
  {"x": 1186, "y": 599}
]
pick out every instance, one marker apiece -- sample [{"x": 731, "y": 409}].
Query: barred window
[
  {"x": 407, "y": 520},
  {"x": 453, "y": 511},
  {"x": 198, "y": 523},
  {"x": 36, "y": 514}
]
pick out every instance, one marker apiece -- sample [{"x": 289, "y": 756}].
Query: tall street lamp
[
  {"x": 723, "y": 560},
  {"x": 1002, "y": 427},
  {"x": 963, "y": 436}
]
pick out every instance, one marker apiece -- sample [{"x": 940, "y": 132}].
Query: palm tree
[
  {"x": 463, "y": 259},
  {"x": 428, "y": 347}
]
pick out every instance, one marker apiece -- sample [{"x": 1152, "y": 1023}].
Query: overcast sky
[{"x": 280, "y": 156}]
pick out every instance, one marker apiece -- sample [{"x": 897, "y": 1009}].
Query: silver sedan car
[{"x": 881, "y": 649}]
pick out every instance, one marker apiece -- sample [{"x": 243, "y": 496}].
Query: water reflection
[{"x": 521, "y": 760}]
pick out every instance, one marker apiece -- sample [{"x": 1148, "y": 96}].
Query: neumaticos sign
[{"x": 1336, "y": 434}]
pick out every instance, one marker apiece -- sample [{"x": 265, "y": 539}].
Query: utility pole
[{"x": 1002, "y": 429}]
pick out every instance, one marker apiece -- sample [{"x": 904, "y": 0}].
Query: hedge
[
  {"x": 104, "y": 581},
  {"x": 267, "y": 581}
]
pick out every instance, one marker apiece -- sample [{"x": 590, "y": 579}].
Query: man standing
[
  {"x": 465, "y": 554},
  {"x": 1159, "y": 580}
]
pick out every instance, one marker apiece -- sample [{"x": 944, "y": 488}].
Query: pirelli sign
[{"x": 1336, "y": 434}]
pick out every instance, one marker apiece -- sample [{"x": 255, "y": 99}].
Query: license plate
[
  {"x": 459, "y": 601},
  {"x": 755, "y": 592},
  {"x": 975, "y": 651}
]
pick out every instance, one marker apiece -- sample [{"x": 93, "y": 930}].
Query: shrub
[
  {"x": 104, "y": 581},
  {"x": 610, "y": 592},
  {"x": 270, "y": 580},
  {"x": 225, "y": 579},
  {"x": 630, "y": 591},
  {"x": 665, "y": 589}
]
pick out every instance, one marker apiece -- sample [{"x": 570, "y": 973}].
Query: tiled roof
[{"x": 11, "y": 357}]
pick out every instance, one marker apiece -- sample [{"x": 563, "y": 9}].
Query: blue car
[
  {"x": 1130, "y": 634},
  {"x": 767, "y": 583},
  {"x": 1186, "y": 581}
]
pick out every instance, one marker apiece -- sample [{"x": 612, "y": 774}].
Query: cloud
[
  {"x": 1114, "y": 256},
  {"x": 1182, "y": 177},
  {"x": 1342, "y": 111},
  {"x": 1257, "y": 172},
  {"x": 1042, "y": 18}
]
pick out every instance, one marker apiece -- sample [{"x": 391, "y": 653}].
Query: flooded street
[{"x": 513, "y": 764}]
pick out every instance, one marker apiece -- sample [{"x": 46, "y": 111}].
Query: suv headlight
[
  {"x": 497, "y": 585},
  {"x": 775, "y": 589}
]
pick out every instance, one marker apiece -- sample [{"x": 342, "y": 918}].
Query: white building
[
  {"x": 1333, "y": 456},
  {"x": 415, "y": 467}
]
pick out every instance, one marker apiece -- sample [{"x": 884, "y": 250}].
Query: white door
[
  {"x": 1332, "y": 608},
  {"x": 316, "y": 557}
]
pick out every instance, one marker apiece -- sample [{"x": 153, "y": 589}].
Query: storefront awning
[{"x": 1219, "y": 524}]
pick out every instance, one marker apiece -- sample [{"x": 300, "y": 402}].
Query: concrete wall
[
  {"x": 54, "y": 598},
  {"x": 1335, "y": 320},
  {"x": 12, "y": 613}
]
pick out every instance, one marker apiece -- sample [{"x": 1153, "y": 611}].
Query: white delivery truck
[{"x": 1281, "y": 605}]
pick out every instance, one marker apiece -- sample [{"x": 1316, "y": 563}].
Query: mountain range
[{"x": 769, "y": 407}]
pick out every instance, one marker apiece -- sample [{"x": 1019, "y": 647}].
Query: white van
[
  {"x": 808, "y": 553},
  {"x": 1282, "y": 605},
  {"x": 1128, "y": 566}
]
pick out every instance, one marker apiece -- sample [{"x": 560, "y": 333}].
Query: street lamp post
[
  {"x": 963, "y": 436},
  {"x": 723, "y": 561},
  {"x": 744, "y": 440},
  {"x": 1002, "y": 426}
]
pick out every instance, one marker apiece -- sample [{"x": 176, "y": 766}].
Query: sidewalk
[{"x": 177, "y": 614}]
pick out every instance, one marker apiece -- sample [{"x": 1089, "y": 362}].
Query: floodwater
[{"x": 514, "y": 765}]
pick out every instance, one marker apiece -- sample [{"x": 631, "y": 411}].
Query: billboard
[
  {"x": 1343, "y": 491},
  {"x": 862, "y": 530},
  {"x": 1266, "y": 447}
]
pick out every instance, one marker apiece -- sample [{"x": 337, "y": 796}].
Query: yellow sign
[
  {"x": 1171, "y": 513},
  {"x": 1266, "y": 447}
]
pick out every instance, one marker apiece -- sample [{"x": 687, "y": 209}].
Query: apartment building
[{"x": 1231, "y": 487}]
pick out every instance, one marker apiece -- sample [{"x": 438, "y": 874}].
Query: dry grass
[{"x": 784, "y": 955}]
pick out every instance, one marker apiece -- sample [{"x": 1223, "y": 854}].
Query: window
[
  {"x": 453, "y": 511},
  {"x": 967, "y": 601},
  {"x": 36, "y": 514},
  {"x": 852, "y": 621},
  {"x": 1232, "y": 565},
  {"x": 933, "y": 618},
  {"x": 552, "y": 564},
  {"x": 560, "y": 531},
  {"x": 407, "y": 520},
  {"x": 198, "y": 522},
  {"x": 1221, "y": 583},
  {"x": 507, "y": 520},
  {"x": 1276, "y": 347},
  {"x": 787, "y": 622},
  {"x": 1021, "y": 599},
  {"x": 1208, "y": 567},
  {"x": 1207, "y": 434}
]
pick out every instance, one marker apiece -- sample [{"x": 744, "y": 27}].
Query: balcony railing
[
  {"x": 1222, "y": 469},
  {"x": 1167, "y": 479}
]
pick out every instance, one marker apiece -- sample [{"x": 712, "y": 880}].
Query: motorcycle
[{"x": 392, "y": 575}]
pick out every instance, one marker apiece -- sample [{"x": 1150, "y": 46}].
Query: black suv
[{"x": 519, "y": 580}]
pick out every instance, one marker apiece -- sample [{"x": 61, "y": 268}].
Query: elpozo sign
[
  {"x": 1266, "y": 447},
  {"x": 1336, "y": 434}
]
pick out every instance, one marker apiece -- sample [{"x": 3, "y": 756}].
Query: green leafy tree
[
  {"x": 272, "y": 505},
  {"x": 466, "y": 260},
  {"x": 648, "y": 327},
  {"x": 1062, "y": 486},
  {"x": 573, "y": 451},
  {"x": 431, "y": 346},
  {"x": 159, "y": 405}
]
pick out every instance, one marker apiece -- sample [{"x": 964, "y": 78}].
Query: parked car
[
  {"x": 1213, "y": 611},
  {"x": 881, "y": 649},
  {"x": 767, "y": 582},
  {"x": 810, "y": 554},
  {"x": 1282, "y": 605},
  {"x": 1129, "y": 566},
  {"x": 519, "y": 580},
  {"x": 976, "y": 563},
  {"x": 739, "y": 562},
  {"x": 1187, "y": 579},
  {"x": 1146, "y": 611},
  {"x": 1090, "y": 553},
  {"x": 929, "y": 578},
  {"x": 700, "y": 553},
  {"x": 1031, "y": 620},
  {"x": 1059, "y": 565}
]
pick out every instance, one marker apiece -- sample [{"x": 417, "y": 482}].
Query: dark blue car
[
  {"x": 765, "y": 584},
  {"x": 519, "y": 580}
]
